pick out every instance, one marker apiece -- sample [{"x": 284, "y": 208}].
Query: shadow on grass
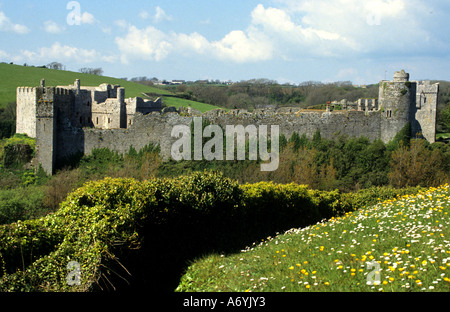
[{"x": 167, "y": 251}]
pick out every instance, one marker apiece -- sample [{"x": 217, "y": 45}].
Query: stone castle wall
[
  {"x": 26, "y": 112},
  {"x": 156, "y": 128},
  {"x": 72, "y": 120}
]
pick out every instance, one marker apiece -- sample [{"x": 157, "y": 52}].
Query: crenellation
[{"x": 70, "y": 119}]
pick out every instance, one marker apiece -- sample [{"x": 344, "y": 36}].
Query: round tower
[
  {"x": 395, "y": 103},
  {"x": 401, "y": 76}
]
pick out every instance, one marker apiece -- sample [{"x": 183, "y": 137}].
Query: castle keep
[{"x": 68, "y": 120}]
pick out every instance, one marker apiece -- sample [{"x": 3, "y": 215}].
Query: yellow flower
[
  {"x": 291, "y": 268},
  {"x": 385, "y": 282},
  {"x": 307, "y": 286},
  {"x": 327, "y": 283}
]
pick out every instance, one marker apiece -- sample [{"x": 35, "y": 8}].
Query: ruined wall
[
  {"x": 59, "y": 117},
  {"x": 156, "y": 128},
  {"x": 46, "y": 134},
  {"x": 26, "y": 99},
  {"x": 425, "y": 110}
]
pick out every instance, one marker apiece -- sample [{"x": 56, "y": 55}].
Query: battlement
[
  {"x": 26, "y": 90},
  {"x": 66, "y": 120},
  {"x": 63, "y": 91}
]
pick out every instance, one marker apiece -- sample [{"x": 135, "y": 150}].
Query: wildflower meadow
[{"x": 397, "y": 245}]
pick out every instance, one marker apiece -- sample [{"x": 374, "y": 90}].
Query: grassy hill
[
  {"x": 397, "y": 245},
  {"x": 13, "y": 76}
]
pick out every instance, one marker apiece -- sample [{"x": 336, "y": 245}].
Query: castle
[{"x": 68, "y": 120}]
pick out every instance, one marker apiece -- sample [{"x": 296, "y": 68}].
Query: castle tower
[
  {"x": 395, "y": 98},
  {"x": 424, "y": 111},
  {"x": 46, "y": 129}
]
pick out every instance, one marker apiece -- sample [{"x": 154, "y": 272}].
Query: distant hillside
[{"x": 13, "y": 76}]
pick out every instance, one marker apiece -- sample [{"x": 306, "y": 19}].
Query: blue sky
[{"x": 284, "y": 40}]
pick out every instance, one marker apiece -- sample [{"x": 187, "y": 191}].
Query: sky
[{"x": 290, "y": 41}]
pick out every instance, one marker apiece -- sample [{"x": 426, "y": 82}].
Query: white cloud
[
  {"x": 298, "y": 29},
  {"x": 148, "y": 44},
  {"x": 155, "y": 45},
  {"x": 3, "y": 55},
  {"x": 144, "y": 15},
  {"x": 241, "y": 47},
  {"x": 121, "y": 23},
  {"x": 59, "y": 52},
  {"x": 8, "y": 26},
  {"x": 161, "y": 15},
  {"x": 371, "y": 27},
  {"x": 53, "y": 28},
  {"x": 87, "y": 18}
]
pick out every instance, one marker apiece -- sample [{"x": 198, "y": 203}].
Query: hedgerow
[{"x": 106, "y": 226}]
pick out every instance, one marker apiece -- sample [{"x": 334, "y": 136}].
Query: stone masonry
[{"x": 74, "y": 119}]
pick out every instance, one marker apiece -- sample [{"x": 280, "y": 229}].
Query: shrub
[
  {"x": 21, "y": 204},
  {"x": 115, "y": 226}
]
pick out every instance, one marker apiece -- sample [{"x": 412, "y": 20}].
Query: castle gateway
[{"x": 68, "y": 120}]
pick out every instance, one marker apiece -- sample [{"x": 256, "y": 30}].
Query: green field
[
  {"x": 443, "y": 135},
  {"x": 13, "y": 76},
  {"x": 397, "y": 245}
]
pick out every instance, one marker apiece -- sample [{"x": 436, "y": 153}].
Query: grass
[
  {"x": 13, "y": 76},
  {"x": 443, "y": 135},
  {"x": 177, "y": 102},
  {"x": 397, "y": 245}
]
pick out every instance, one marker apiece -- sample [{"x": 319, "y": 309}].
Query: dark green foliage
[
  {"x": 100, "y": 160},
  {"x": 401, "y": 139},
  {"x": 21, "y": 204},
  {"x": 444, "y": 119},
  {"x": 146, "y": 232},
  {"x": 7, "y": 120}
]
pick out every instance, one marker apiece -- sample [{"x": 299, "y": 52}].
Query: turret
[
  {"x": 395, "y": 98},
  {"x": 401, "y": 76}
]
